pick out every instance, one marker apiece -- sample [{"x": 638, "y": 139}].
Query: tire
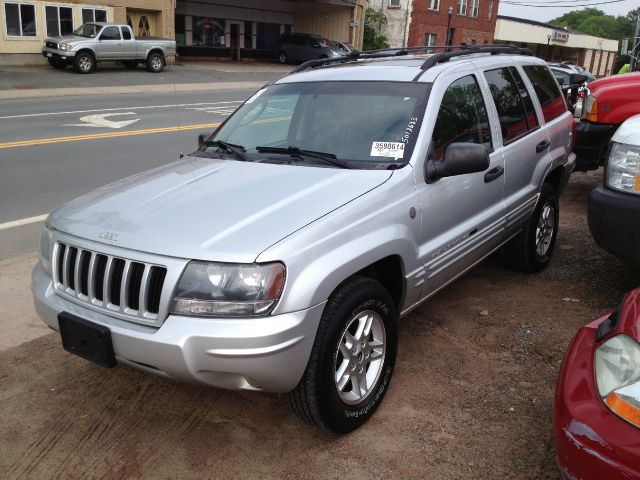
[
  {"x": 130, "y": 64},
  {"x": 283, "y": 57},
  {"x": 84, "y": 63},
  {"x": 56, "y": 63},
  {"x": 317, "y": 399},
  {"x": 155, "y": 62},
  {"x": 530, "y": 251}
]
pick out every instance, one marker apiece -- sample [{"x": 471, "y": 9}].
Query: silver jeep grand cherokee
[{"x": 280, "y": 254}]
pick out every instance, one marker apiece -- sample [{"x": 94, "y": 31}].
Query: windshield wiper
[
  {"x": 296, "y": 152},
  {"x": 237, "y": 150}
]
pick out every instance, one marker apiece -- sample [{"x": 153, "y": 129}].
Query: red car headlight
[{"x": 617, "y": 366}]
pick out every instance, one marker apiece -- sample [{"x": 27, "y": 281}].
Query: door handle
[
  {"x": 542, "y": 146},
  {"x": 492, "y": 174}
]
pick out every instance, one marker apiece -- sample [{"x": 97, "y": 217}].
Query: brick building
[{"x": 472, "y": 22}]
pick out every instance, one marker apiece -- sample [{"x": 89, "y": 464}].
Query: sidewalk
[{"x": 43, "y": 81}]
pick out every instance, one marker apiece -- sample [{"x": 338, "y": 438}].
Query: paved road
[{"x": 53, "y": 150}]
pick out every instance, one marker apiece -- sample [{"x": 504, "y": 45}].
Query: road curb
[{"x": 128, "y": 89}]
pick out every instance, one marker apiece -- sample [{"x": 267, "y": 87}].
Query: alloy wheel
[{"x": 359, "y": 357}]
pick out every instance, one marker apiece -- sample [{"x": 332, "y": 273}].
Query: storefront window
[
  {"x": 267, "y": 35},
  {"x": 20, "y": 20},
  {"x": 93, "y": 15},
  {"x": 59, "y": 21},
  {"x": 248, "y": 34},
  {"x": 208, "y": 32}
]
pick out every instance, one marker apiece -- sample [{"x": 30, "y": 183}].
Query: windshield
[
  {"x": 366, "y": 124},
  {"x": 89, "y": 30}
]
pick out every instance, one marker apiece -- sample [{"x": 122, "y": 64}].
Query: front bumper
[
  {"x": 58, "y": 54},
  {"x": 592, "y": 443},
  {"x": 266, "y": 353},
  {"x": 592, "y": 140},
  {"x": 614, "y": 222}
]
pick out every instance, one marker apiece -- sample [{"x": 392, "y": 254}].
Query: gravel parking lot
[{"x": 471, "y": 397}]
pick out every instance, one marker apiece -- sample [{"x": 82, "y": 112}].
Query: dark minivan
[{"x": 300, "y": 47}]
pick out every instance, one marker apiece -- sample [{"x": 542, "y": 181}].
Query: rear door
[
  {"x": 523, "y": 142},
  {"x": 128, "y": 47},
  {"x": 558, "y": 120},
  {"x": 462, "y": 216}
]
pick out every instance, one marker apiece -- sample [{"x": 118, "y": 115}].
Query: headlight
[
  {"x": 65, "y": 47},
  {"x": 223, "y": 289},
  {"x": 44, "y": 44},
  {"x": 46, "y": 250},
  {"x": 590, "y": 108},
  {"x": 618, "y": 377},
  {"x": 623, "y": 168}
]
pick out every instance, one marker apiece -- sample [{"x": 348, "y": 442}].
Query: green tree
[
  {"x": 372, "y": 22},
  {"x": 574, "y": 18},
  {"x": 593, "y": 21}
]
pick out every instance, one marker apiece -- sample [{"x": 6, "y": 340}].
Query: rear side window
[
  {"x": 509, "y": 104},
  {"x": 462, "y": 117},
  {"x": 549, "y": 95},
  {"x": 532, "y": 118},
  {"x": 126, "y": 33}
]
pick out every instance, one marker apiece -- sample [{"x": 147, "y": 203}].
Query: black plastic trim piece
[{"x": 607, "y": 325}]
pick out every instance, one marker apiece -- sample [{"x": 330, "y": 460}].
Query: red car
[
  {"x": 610, "y": 102},
  {"x": 597, "y": 403}
]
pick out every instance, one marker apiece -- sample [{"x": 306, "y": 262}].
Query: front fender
[{"x": 325, "y": 253}]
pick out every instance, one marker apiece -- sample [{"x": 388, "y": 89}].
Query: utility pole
[{"x": 636, "y": 44}]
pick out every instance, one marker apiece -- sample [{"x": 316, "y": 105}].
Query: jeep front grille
[{"x": 115, "y": 284}]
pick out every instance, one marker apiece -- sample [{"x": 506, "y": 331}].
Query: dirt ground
[{"x": 471, "y": 397}]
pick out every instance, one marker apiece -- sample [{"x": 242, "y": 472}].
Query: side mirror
[
  {"x": 459, "y": 159},
  {"x": 202, "y": 138},
  {"x": 577, "y": 79}
]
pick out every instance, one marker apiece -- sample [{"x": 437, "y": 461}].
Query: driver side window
[
  {"x": 462, "y": 117},
  {"x": 110, "y": 33}
]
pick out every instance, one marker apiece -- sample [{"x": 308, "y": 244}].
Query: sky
[{"x": 546, "y": 13}]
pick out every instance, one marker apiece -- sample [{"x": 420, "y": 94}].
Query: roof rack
[
  {"x": 470, "y": 50},
  {"x": 428, "y": 63}
]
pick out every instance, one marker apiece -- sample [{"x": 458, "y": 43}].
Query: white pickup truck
[{"x": 99, "y": 42}]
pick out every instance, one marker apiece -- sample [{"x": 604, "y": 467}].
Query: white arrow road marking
[{"x": 100, "y": 120}]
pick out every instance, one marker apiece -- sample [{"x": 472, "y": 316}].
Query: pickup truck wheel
[
  {"x": 56, "y": 63},
  {"x": 530, "y": 251},
  {"x": 84, "y": 63},
  {"x": 352, "y": 359},
  {"x": 130, "y": 64},
  {"x": 155, "y": 63}
]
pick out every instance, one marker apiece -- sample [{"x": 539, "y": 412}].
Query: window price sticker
[{"x": 387, "y": 149}]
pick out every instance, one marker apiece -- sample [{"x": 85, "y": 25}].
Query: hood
[
  {"x": 628, "y": 132},
  {"x": 212, "y": 209},
  {"x": 65, "y": 38},
  {"x": 625, "y": 78}
]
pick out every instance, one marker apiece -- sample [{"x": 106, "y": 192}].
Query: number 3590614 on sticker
[{"x": 387, "y": 149}]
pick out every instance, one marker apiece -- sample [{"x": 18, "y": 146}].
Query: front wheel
[
  {"x": 155, "y": 63},
  {"x": 530, "y": 251},
  {"x": 84, "y": 63},
  {"x": 283, "y": 58},
  {"x": 352, "y": 359}
]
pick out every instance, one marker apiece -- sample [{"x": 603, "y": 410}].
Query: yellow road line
[{"x": 97, "y": 136}]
